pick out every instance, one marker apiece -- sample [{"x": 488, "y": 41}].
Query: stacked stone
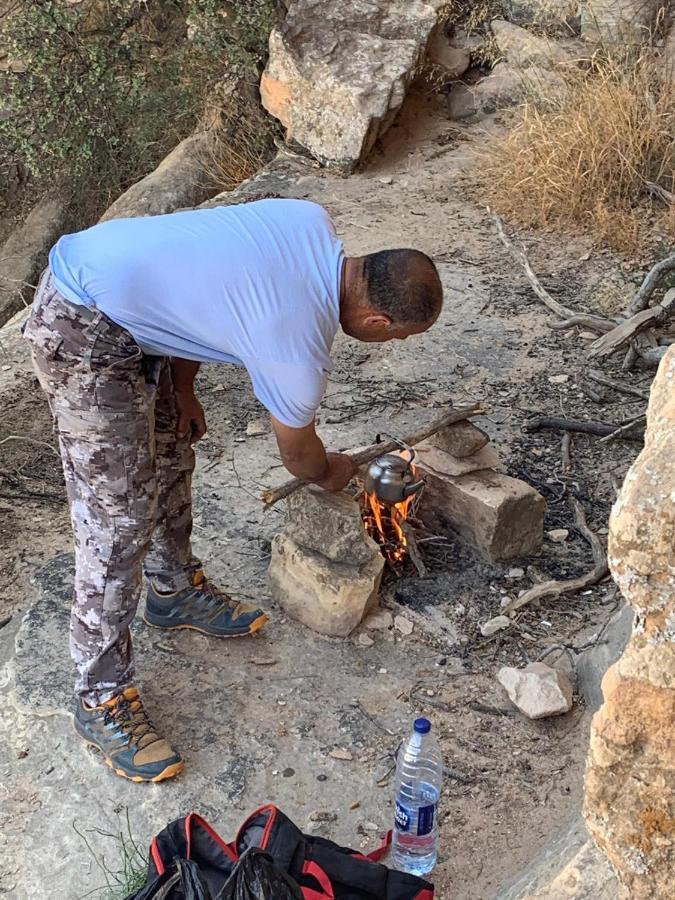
[
  {"x": 325, "y": 571},
  {"x": 501, "y": 516},
  {"x": 630, "y": 778}
]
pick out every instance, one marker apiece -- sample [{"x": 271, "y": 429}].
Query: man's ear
[{"x": 376, "y": 320}]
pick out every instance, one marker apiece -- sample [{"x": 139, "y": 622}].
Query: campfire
[{"x": 389, "y": 525}]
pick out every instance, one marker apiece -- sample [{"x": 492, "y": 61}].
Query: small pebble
[
  {"x": 365, "y": 640},
  {"x": 382, "y": 671},
  {"x": 405, "y": 626},
  {"x": 558, "y": 535},
  {"x": 288, "y": 773},
  {"x": 558, "y": 379},
  {"x": 322, "y": 777},
  {"x": 515, "y": 573}
]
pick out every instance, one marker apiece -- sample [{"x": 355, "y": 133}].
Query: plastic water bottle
[{"x": 419, "y": 775}]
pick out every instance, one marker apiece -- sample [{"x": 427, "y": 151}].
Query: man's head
[{"x": 389, "y": 295}]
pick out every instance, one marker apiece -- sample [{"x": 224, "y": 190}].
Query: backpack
[{"x": 270, "y": 859}]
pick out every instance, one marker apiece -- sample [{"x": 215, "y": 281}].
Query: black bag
[{"x": 270, "y": 859}]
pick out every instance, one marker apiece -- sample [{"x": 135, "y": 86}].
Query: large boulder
[
  {"x": 505, "y": 86},
  {"x": 630, "y": 777},
  {"x": 24, "y": 254},
  {"x": 619, "y": 21},
  {"x": 521, "y": 48},
  {"x": 182, "y": 179},
  {"x": 337, "y": 72}
]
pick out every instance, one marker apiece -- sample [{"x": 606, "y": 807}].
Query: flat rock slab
[
  {"x": 337, "y": 73},
  {"x": 330, "y": 524}
]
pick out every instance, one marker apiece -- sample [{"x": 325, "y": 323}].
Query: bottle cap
[{"x": 422, "y": 726}]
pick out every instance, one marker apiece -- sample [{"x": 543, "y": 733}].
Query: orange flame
[{"x": 385, "y": 524}]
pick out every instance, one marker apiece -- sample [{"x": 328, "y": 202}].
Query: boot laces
[{"x": 130, "y": 716}]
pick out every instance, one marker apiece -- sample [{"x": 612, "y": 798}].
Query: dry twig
[
  {"x": 600, "y": 429},
  {"x": 600, "y": 378},
  {"x": 563, "y": 311},
  {"x": 556, "y": 588},
  {"x": 632, "y": 327},
  {"x": 649, "y": 283},
  {"x": 621, "y": 432},
  {"x": 368, "y": 454}
]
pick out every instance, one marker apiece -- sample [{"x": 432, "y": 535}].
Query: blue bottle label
[
  {"x": 425, "y": 819},
  {"x": 402, "y": 817}
]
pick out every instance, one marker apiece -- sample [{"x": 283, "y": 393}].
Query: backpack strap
[
  {"x": 377, "y": 854},
  {"x": 316, "y": 872}
]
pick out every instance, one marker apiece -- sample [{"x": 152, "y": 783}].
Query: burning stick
[{"x": 273, "y": 495}]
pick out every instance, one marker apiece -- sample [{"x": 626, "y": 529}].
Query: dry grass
[
  {"x": 243, "y": 136},
  {"x": 584, "y": 157}
]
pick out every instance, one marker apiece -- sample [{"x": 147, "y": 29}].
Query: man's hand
[
  {"x": 191, "y": 419},
  {"x": 341, "y": 470},
  {"x": 304, "y": 456}
]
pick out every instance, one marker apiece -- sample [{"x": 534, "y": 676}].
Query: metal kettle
[{"x": 390, "y": 477}]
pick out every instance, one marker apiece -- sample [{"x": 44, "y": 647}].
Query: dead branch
[
  {"x": 565, "y": 452},
  {"x": 557, "y": 588},
  {"x": 632, "y": 327},
  {"x": 595, "y": 323},
  {"x": 600, "y": 378},
  {"x": 413, "y": 550},
  {"x": 368, "y": 454},
  {"x": 620, "y": 432},
  {"x": 648, "y": 286},
  {"x": 27, "y": 440},
  {"x": 660, "y": 192},
  {"x": 599, "y": 429},
  {"x": 563, "y": 311}
]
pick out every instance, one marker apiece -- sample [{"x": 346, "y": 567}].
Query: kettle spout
[{"x": 411, "y": 489}]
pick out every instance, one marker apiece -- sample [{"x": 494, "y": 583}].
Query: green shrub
[{"x": 102, "y": 89}]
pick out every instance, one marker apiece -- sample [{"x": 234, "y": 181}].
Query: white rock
[
  {"x": 405, "y": 626},
  {"x": 558, "y": 379},
  {"x": 256, "y": 428},
  {"x": 337, "y": 72},
  {"x": 522, "y": 48},
  {"x": 492, "y": 626},
  {"x": 558, "y": 535},
  {"x": 380, "y": 620},
  {"x": 537, "y": 690},
  {"x": 365, "y": 640},
  {"x": 516, "y": 572}
]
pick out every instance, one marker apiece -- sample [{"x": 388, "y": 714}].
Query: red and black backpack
[{"x": 189, "y": 860}]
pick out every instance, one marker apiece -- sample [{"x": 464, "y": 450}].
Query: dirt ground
[{"x": 512, "y": 781}]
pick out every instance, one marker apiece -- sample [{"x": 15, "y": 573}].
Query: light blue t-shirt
[{"x": 256, "y": 285}]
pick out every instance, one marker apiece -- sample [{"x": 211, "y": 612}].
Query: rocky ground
[{"x": 308, "y": 722}]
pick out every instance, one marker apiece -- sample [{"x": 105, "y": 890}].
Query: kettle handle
[{"x": 399, "y": 442}]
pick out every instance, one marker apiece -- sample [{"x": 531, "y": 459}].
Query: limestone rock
[
  {"x": 492, "y": 626},
  {"x": 330, "y": 524},
  {"x": 180, "y": 180},
  {"x": 329, "y": 597},
  {"x": 505, "y": 86},
  {"x": 461, "y": 439},
  {"x": 558, "y": 535},
  {"x": 619, "y": 21},
  {"x": 530, "y": 12},
  {"x": 380, "y": 620},
  {"x": 630, "y": 775},
  {"x": 587, "y": 876},
  {"x": 642, "y": 522},
  {"x": 443, "y": 53},
  {"x": 24, "y": 254},
  {"x": 502, "y": 516},
  {"x": 442, "y": 463},
  {"x": 337, "y": 73},
  {"x": 521, "y": 48},
  {"x": 537, "y": 690}
]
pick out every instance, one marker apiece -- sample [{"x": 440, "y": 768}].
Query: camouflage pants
[{"x": 128, "y": 478}]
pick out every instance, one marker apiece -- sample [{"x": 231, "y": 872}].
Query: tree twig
[
  {"x": 648, "y": 286},
  {"x": 556, "y": 588},
  {"x": 563, "y": 311},
  {"x": 620, "y": 432},
  {"x": 601, "y": 378},
  {"x": 368, "y": 454},
  {"x": 413, "y": 550},
  {"x": 19, "y": 437},
  {"x": 596, "y": 323},
  {"x": 600, "y": 429}
]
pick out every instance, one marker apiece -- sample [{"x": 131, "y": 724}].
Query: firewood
[
  {"x": 368, "y": 454},
  {"x": 632, "y": 327},
  {"x": 600, "y": 429}
]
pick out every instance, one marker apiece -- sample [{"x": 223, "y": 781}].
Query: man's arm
[
  {"x": 304, "y": 455},
  {"x": 191, "y": 419}
]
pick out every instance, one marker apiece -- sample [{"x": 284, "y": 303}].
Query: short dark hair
[{"x": 404, "y": 285}]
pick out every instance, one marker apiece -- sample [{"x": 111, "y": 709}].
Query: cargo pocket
[{"x": 43, "y": 339}]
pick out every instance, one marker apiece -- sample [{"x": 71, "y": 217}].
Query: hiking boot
[
  {"x": 203, "y": 607},
  {"x": 122, "y": 731}
]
